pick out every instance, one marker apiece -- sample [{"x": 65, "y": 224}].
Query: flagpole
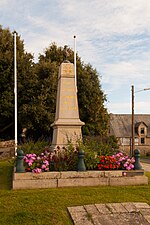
[
  {"x": 75, "y": 69},
  {"x": 15, "y": 90}
]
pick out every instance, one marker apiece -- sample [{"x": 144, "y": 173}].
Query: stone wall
[
  {"x": 78, "y": 179},
  {"x": 7, "y": 144},
  {"x": 7, "y": 149}
]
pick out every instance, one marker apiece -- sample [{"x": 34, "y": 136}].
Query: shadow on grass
[{"x": 6, "y": 173}]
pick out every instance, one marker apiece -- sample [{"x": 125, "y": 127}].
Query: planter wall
[{"x": 78, "y": 179}]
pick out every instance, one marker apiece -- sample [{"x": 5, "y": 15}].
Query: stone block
[
  {"x": 133, "y": 173},
  {"x": 113, "y": 173},
  {"x": 92, "y": 209},
  {"x": 116, "y": 208},
  {"x": 76, "y": 182},
  {"x": 85, "y": 174},
  {"x": 79, "y": 215},
  {"x": 145, "y": 212},
  {"x": 147, "y": 218},
  {"x": 96, "y": 173},
  {"x": 123, "y": 181},
  {"x": 102, "y": 209},
  {"x": 36, "y": 176},
  {"x": 34, "y": 184},
  {"x": 105, "y": 220},
  {"x": 141, "y": 205},
  {"x": 130, "y": 207}
]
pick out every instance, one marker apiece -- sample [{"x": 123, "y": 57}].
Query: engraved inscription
[
  {"x": 69, "y": 108},
  {"x": 67, "y": 70}
]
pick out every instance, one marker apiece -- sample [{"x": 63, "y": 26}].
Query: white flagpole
[
  {"x": 15, "y": 91},
  {"x": 75, "y": 69}
]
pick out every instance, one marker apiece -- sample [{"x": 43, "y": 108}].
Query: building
[{"x": 121, "y": 127}]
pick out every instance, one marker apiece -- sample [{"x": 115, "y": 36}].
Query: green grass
[{"x": 49, "y": 206}]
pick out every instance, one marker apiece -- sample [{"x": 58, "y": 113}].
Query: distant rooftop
[{"x": 121, "y": 124}]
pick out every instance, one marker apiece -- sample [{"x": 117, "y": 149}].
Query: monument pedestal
[{"x": 67, "y": 125}]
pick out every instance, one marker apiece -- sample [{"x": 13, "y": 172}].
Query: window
[
  {"x": 142, "y": 130},
  {"x": 142, "y": 140},
  {"x": 136, "y": 141},
  {"x": 125, "y": 141}
]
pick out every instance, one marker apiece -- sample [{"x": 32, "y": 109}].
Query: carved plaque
[{"x": 67, "y": 70}]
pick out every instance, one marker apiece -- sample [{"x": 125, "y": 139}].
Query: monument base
[{"x": 65, "y": 131}]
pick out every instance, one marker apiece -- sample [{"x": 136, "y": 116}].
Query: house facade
[{"x": 121, "y": 127}]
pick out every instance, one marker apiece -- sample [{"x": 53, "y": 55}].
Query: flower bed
[
  {"x": 115, "y": 162},
  {"x": 64, "y": 160},
  {"x": 51, "y": 170}
]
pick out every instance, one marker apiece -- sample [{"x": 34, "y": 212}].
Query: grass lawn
[{"x": 49, "y": 206}]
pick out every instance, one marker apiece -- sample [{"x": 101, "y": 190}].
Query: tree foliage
[
  {"x": 37, "y": 87},
  {"x": 25, "y": 82},
  {"x": 90, "y": 95}
]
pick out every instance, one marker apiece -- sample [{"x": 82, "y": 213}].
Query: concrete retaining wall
[{"x": 78, "y": 179}]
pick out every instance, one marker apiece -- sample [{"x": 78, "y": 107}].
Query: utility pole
[{"x": 133, "y": 122}]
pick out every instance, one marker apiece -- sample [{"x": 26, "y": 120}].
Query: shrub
[
  {"x": 64, "y": 159},
  {"x": 34, "y": 147}
]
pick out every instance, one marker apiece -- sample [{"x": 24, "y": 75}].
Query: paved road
[
  {"x": 146, "y": 160},
  {"x": 145, "y": 166}
]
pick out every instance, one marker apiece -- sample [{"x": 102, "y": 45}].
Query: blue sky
[{"x": 112, "y": 35}]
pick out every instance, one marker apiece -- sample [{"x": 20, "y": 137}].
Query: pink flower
[
  {"x": 43, "y": 166},
  {"x": 30, "y": 163},
  {"x": 37, "y": 170},
  {"x": 46, "y": 162}
]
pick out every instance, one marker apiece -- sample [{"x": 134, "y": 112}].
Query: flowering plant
[
  {"x": 124, "y": 161},
  {"x": 117, "y": 161},
  {"x": 63, "y": 159},
  {"x": 107, "y": 163},
  {"x": 36, "y": 164}
]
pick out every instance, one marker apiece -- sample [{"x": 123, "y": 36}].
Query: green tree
[
  {"x": 37, "y": 87},
  {"x": 25, "y": 82},
  {"x": 90, "y": 95},
  {"x": 91, "y": 101}
]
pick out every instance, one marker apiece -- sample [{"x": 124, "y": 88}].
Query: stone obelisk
[{"x": 67, "y": 125}]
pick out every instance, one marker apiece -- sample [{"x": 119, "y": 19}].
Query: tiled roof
[{"x": 121, "y": 124}]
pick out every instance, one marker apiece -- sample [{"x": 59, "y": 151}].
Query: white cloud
[
  {"x": 4, "y": 3},
  {"x": 124, "y": 108},
  {"x": 114, "y": 36},
  {"x": 109, "y": 17}
]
